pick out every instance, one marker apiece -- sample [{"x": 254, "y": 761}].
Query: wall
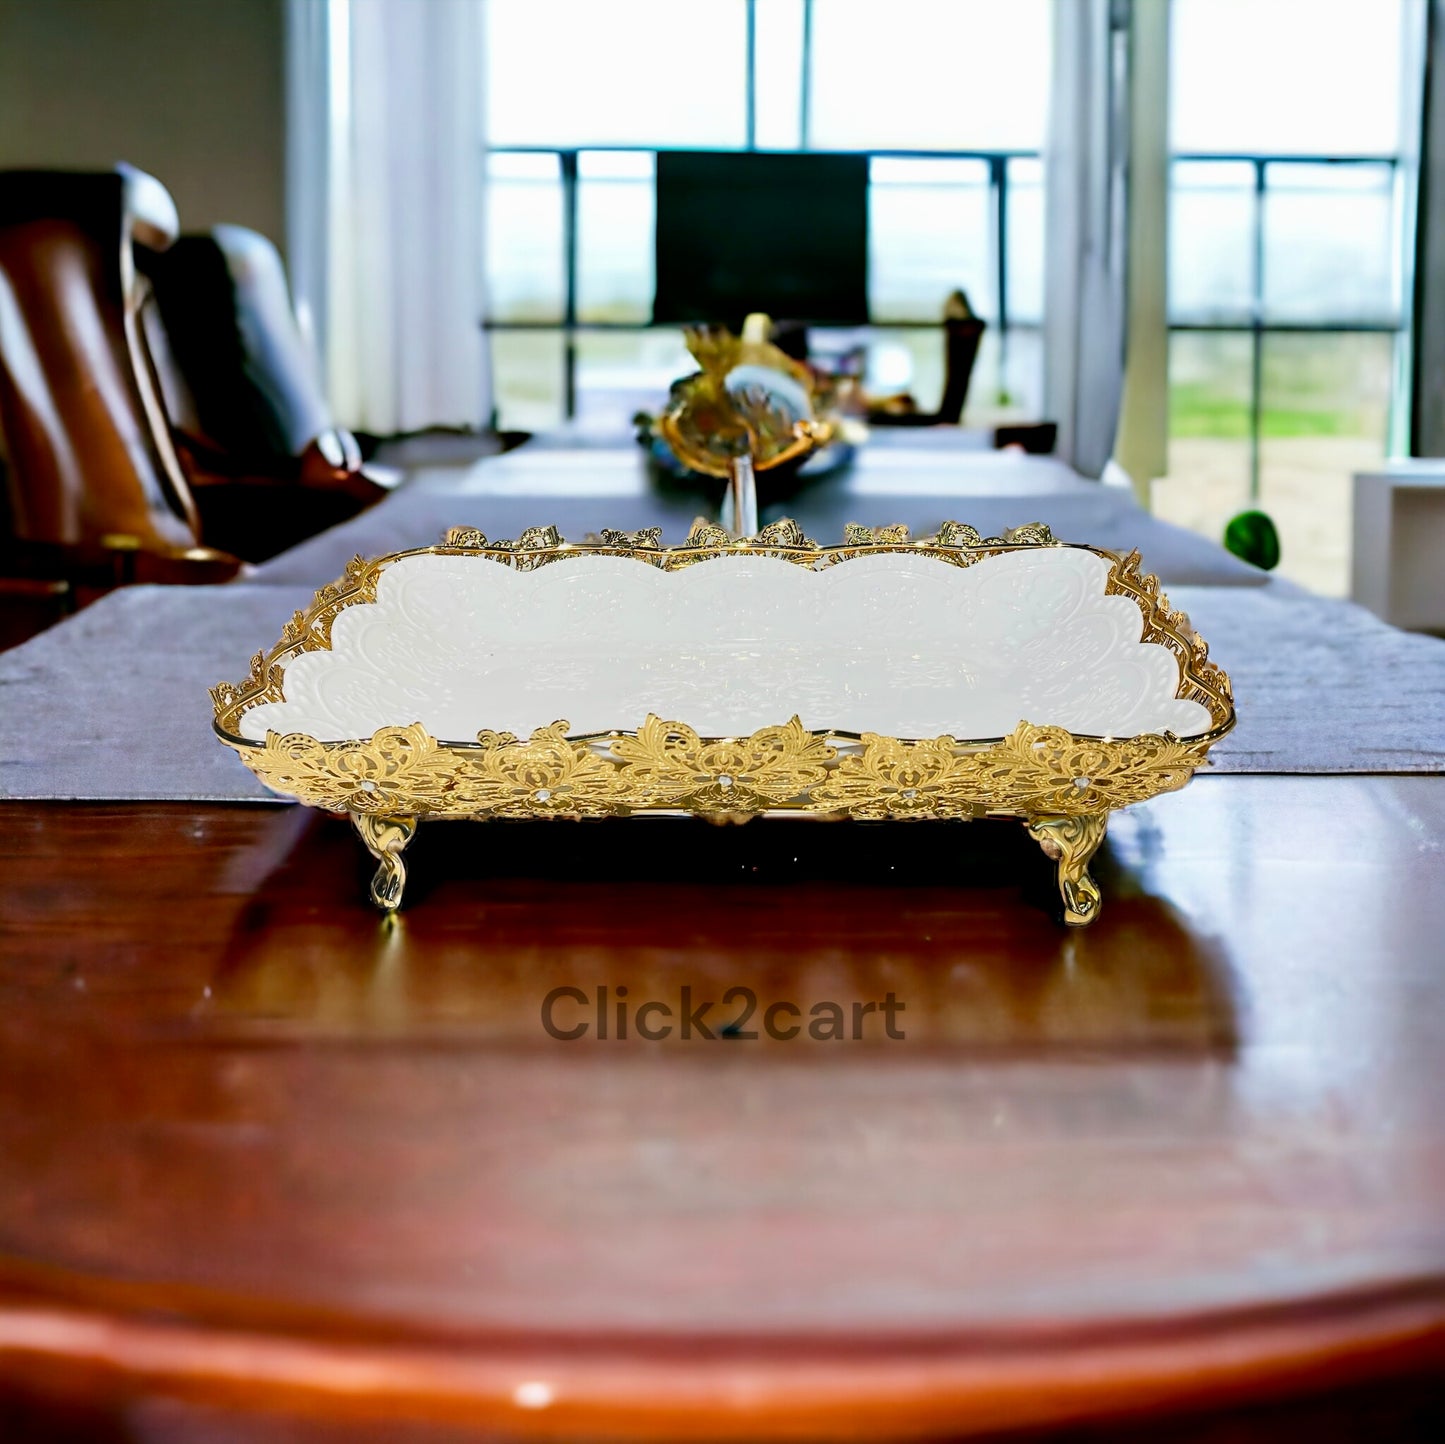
[{"x": 189, "y": 90}]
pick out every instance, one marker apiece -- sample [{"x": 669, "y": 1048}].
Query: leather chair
[
  {"x": 248, "y": 416},
  {"x": 95, "y": 492}
]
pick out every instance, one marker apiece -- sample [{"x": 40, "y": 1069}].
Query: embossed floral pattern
[
  {"x": 666, "y": 764},
  {"x": 397, "y": 769},
  {"x": 1046, "y": 770},
  {"x": 900, "y": 780},
  {"x": 1034, "y": 772},
  {"x": 546, "y": 776}
]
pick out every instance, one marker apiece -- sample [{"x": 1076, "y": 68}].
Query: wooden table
[{"x": 272, "y": 1169}]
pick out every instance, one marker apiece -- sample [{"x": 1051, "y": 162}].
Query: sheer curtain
[
  {"x": 1086, "y": 220},
  {"x": 384, "y": 204}
]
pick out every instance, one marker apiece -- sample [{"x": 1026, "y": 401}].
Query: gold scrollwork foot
[
  {"x": 385, "y": 838},
  {"x": 1073, "y": 841}
]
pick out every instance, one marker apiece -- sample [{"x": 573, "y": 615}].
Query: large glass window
[
  {"x": 614, "y": 236},
  {"x": 917, "y": 75},
  {"x": 616, "y": 72},
  {"x": 1283, "y": 78},
  {"x": 1288, "y": 232},
  {"x": 928, "y": 232},
  {"x": 949, "y": 100},
  {"x": 525, "y": 263}
]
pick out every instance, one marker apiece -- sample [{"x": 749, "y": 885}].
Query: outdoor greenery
[
  {"x": 1197, "y": 409},
  {"x": 1313, "y": 384}
]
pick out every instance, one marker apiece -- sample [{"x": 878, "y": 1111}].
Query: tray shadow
[{"x": 958, "y": 923}]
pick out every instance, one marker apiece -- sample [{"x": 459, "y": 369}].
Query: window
[
  {"x": 955, "y": 179},
  {"x": 624, "y": 72},
  {"x": 1288, "y": 238}
]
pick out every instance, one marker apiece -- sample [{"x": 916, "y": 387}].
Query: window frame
[
  {"x": 1257, "y": 326},
  {"x": 570, "y": 327}
]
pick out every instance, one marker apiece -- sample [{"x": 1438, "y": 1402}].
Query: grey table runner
[
  {"x": 1102, "y": 516},
  {"x": 418, "y": 519},
  {"x": 113, "y": 704}
]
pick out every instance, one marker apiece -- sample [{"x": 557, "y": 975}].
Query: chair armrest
[
  {"x": 37, "y": 589},
  {"x": 193, "y": 567},
  {"x": 113, "y": 561}
]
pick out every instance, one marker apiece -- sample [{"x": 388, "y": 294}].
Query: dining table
[{"x": 558, "y": 1152}]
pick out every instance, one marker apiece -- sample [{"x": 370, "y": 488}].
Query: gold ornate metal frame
[{"x": 1061, "y": 785}]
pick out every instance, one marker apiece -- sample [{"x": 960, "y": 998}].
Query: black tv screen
[{"x": 748, "y": 231}]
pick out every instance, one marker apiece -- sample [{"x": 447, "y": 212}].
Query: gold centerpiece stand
[{"x": 748, "y": 408}]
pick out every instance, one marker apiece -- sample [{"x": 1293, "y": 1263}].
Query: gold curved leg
[
  {"x": 385, "y": 838},
  {"x": 1073, "y": 841}
]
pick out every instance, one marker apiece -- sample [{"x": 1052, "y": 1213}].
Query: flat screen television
[{"x": 750, "y": 231}]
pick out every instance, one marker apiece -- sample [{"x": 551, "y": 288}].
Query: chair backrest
[
  {"x": 962, "y": 333},
  {"x": 89, "y": 453},
  {"x": 242, "y": 381}
]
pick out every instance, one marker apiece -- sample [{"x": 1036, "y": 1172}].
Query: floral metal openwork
[{"x": 1061, "y": 785}]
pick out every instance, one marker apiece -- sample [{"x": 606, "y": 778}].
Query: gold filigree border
[
  {"x": 955, "y": 543},
  {"x": 1033, "y": 773}
]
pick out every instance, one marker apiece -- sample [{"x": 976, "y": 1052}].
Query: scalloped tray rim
[{"x": 1146, "y": 594}]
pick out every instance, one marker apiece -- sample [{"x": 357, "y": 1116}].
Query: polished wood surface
[{"x": 262, "y": 1152}]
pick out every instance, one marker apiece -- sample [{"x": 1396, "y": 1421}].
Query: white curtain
[
  {"x": 1086, "y": 223},
  {"x": 385, "y": 206}
]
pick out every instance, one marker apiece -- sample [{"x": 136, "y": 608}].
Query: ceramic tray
[{"x": 884, "y": 678}]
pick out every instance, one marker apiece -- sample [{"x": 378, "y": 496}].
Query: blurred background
[{"x": 1272, "y": 217}]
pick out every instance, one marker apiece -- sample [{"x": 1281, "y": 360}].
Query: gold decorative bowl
[
  {"x": 885, "y": 678},
  {"x": 749, "y": 411}
]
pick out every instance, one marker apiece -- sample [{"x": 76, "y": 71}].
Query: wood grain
[{"x": 262, "y": 1152}]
